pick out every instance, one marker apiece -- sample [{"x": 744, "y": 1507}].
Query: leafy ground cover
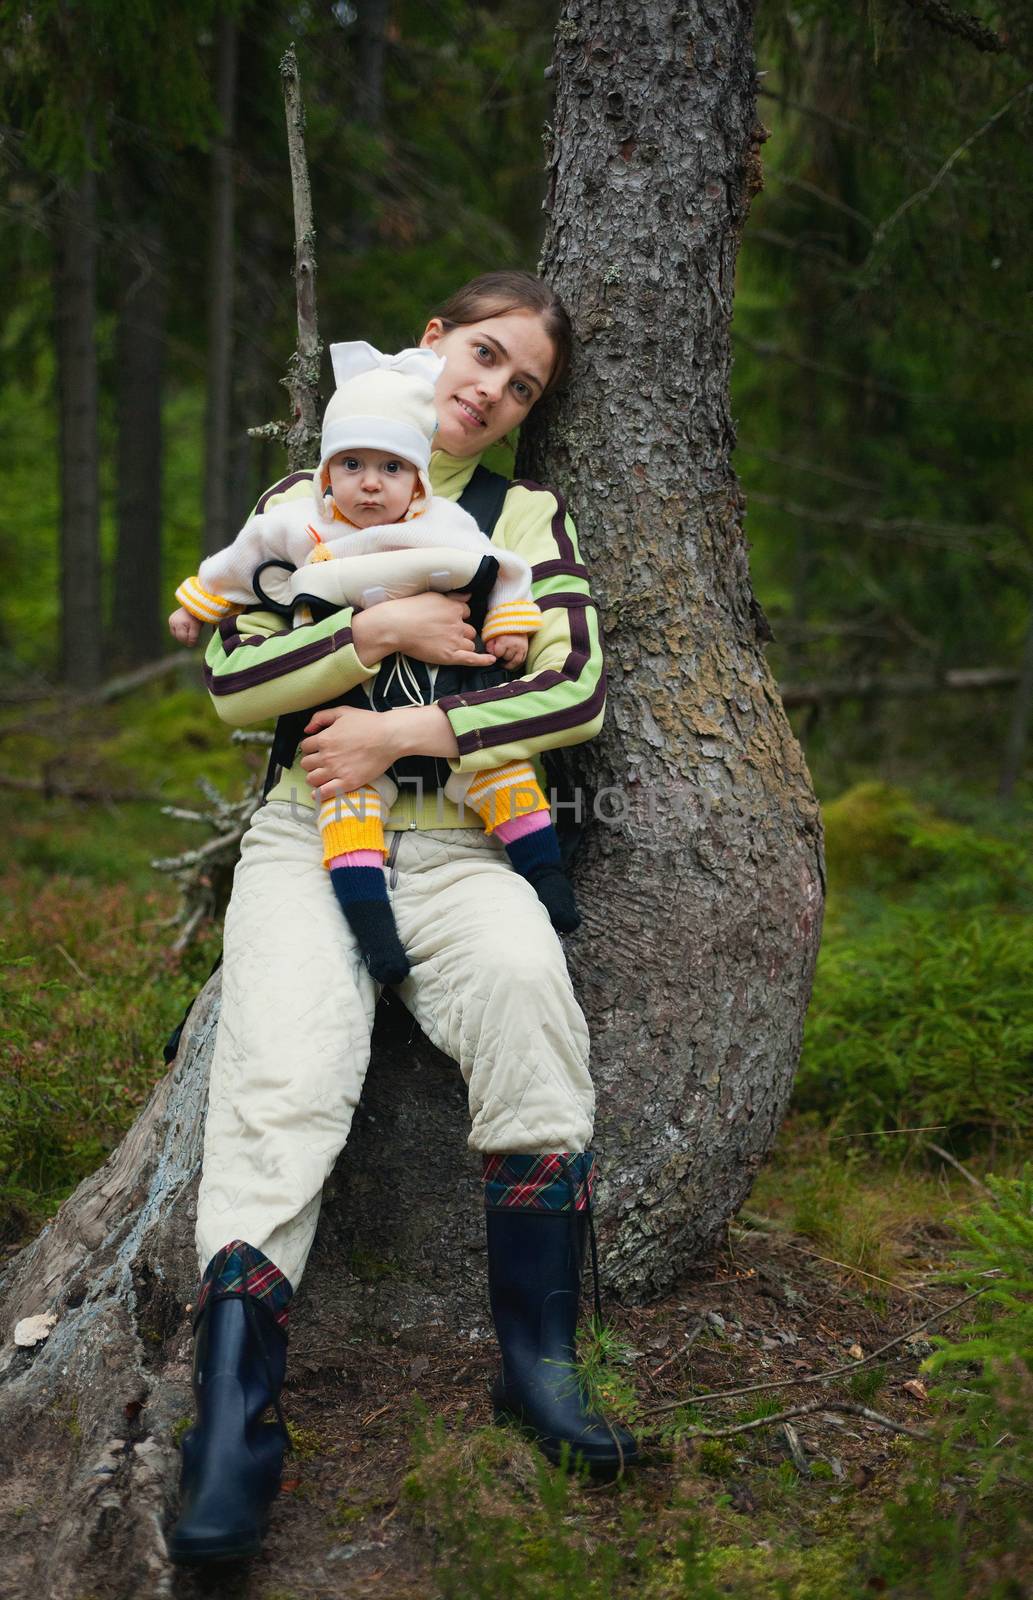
[{"x": 856, "y": 1234}]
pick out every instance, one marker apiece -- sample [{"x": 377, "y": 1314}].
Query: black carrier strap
[{"x": 483, "y": 497}]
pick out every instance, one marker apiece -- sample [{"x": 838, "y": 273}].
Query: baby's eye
[
  {"x": 351, "y": 463},
  {"x": 392, "y": 467}
]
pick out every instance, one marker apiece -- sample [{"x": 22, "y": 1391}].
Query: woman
[{"x": 488, "y": 985}]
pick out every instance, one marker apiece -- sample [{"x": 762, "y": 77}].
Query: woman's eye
[
  {"x": 522, "y": 390},
  {"x": 482, "y": 350}
]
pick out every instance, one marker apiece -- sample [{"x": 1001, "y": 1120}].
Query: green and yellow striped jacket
[{"x": 257, "y": 667}]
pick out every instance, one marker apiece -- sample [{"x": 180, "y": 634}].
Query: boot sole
[
  {"x": 604, "y": 1470},
  {"x": 213, "y": 1555}
]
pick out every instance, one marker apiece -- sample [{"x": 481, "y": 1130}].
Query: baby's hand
[
  {"x": 510, "y": 649},
  {"x": 184, "y": 628}
]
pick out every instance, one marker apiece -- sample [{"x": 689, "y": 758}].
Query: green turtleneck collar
[{"x": 449, "y": 475}]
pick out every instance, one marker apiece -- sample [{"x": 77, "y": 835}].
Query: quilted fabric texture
[{"x": 489, "y": 986}]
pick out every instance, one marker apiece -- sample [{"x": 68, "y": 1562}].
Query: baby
[{"x": 377, "y": 532}]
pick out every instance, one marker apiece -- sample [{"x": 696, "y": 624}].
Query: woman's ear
[{"x": 432, "y": 333}]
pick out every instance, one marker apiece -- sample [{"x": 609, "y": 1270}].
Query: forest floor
[{"x": 401, "y": 1487}]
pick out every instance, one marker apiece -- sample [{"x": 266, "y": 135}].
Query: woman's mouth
[{"x": 470, "y": 412}]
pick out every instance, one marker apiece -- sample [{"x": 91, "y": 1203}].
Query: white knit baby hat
[{"x": 380, "y": 403}]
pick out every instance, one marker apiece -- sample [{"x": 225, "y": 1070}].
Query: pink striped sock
[
  {"x": 518, "y": 827},
  {"x": 357, "y": 858}
]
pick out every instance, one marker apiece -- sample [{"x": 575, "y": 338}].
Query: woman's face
[{"x": 495, "y": 370}]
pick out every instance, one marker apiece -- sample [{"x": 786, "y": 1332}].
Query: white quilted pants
[{"x": 489, "y": 986}]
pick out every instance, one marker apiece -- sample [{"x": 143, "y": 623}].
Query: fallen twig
[
  {"x": 53, "y": 788},
  {"x": 956, "y": 1164},
  {"x": 814, "y": 1377},
  {"x": 860, "y": 1271},
  {"x": 847, "y": 1406}
]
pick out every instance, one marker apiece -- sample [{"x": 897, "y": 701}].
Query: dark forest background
[{"x": 882, "y": 336}]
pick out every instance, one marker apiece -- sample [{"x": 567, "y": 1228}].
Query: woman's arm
[
  {"x": 257, "y": 667},
  {"x": 560, "y": 697}
]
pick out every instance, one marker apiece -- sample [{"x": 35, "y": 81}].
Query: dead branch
[
  {"x": 53, "y": 788},
  {"x": 301, "y": 435},
  {"x": 876, "y": 686},
  {"x": 847, "y": 1406},
  {"x": 959, "y": 23},
  {"x": 816, "y": 1377}
]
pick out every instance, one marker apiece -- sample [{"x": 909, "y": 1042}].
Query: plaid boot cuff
[
  {"x": 538, "y": 1183},
  {"x": 238, "y": 1268}
]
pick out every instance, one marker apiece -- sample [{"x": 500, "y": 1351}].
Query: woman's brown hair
[{"x": 495, "y": 293}]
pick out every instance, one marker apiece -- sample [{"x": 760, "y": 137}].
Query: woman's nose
[{"x": 489, "y": 385}]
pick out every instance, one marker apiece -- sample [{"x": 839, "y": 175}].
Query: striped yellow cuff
[
  {"x": 503, "y": 793},
  {"x": 202, "y": 605},
  {"x": 353, "y": 821},
  {"x": 516, "y": 616}
]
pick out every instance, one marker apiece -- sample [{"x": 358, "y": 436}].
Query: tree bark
[
  {"x": 75, "y": 302},
  {"x": 219, "y": 527},
  {"x": 136, "y": 628},
  {"x": 303, "y": 368},
  {"x": 702, "y": 890},
  {"x": 704, "y": 894}
]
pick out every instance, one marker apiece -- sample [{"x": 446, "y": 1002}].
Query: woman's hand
[
  {"x": 429, "y": 627},
  {"x": 346, "y": 747}
]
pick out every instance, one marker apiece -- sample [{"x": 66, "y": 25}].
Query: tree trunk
[
  {"x": 702, "y": 893},
  {"x": 75, "y": 303},
  {"x": 137, "y": 634},
  {"x": 368, "y": 110},
  {"x": 219, "y": 527}
]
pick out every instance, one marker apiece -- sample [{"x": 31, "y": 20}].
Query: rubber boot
[
  {"x": 534, "y": 1279},
  {"x": 231, "y": 1459}
]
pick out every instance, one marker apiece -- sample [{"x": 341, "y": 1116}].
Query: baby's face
[{"x": 370, "y": 487}]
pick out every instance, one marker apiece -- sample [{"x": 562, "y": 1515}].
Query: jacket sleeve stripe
[
  {"x": 553, "y": 569},
  {"x": 564, "y": 543},
  {"x": 281, "y": 488},
  {"x": 569, "y": 599},
  {"x": 285, "y": 654},
  {"x": 580, "y": 709}
]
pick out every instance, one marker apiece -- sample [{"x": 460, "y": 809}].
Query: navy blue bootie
[
  {"x": 362, "y": 894},
  {"x": 534, "y": 1279},
  {"x": 232, "y": 1459}
]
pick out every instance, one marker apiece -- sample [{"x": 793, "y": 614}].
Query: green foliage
[
  {"x": 866, "y": 1382},
  {"x": 960, "y": 1527},
  {"x": 88, "y": 995},
  {"x": 504, "y": 1522},
  {"x": 920, "y": 1011},
  {"x": 80, "y": 76},
  {"x": 605, "y": 1372},
  {"x": 996, "y": 1347},
  {"x": 880, "y": 388}
]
